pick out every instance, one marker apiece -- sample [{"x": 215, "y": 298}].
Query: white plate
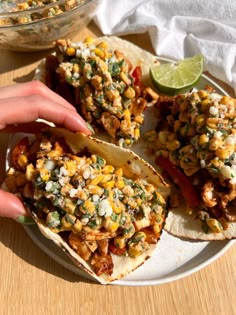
[{"x": 173, "y": 258}]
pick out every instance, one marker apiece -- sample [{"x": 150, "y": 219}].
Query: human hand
[{"x": 20, "y": 106}]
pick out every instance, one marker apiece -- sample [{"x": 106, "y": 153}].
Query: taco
[
  {"x": 195, "y": 145},
  {"x": 107, "y": 80},
  {"x": 101, "y": 204}
]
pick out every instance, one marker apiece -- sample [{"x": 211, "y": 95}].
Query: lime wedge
[{"x": 170, "y": 78}]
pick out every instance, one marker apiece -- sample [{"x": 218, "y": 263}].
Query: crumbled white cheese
[
  {"x": 213, "y": 110},
  {"x": 104, "y": 208}
]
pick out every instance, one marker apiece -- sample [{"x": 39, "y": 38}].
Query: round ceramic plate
[{"x": 173, "y": 258}]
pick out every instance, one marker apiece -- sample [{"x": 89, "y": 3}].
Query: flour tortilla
[{"x": 133, "y": 167}]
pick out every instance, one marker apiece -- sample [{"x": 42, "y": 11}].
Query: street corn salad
[
  {"x": 195, "y": 145},
  {"x": 103, "y": 85},
  {"x": 92, "y": 204}
]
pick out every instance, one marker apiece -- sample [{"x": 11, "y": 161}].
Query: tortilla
[{"x": 133, "y": 167}]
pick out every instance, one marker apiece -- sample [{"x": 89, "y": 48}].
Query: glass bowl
[{"x": 32, "y": 25}]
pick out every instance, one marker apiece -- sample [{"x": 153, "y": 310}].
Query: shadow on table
[{"x": 27, "y": 250}]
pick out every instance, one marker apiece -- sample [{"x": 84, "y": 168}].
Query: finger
[
  {"x": 33, "y": 88},
  {"x": 12, "y": 207},
  {"x": 30, "y": 108}
]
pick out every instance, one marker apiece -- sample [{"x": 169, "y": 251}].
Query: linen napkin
[{"x": 179, "y": 29}]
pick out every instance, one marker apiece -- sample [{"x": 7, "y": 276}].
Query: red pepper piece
[
  {"x": 181, "y": 180},
  {"x": 116, "y": 250},
  {"x": 137, "y": 75}
]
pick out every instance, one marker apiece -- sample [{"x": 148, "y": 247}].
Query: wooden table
[{"x": 34, "y": 284}]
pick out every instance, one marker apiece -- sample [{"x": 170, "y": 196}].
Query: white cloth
[{"x": 179, "y": 29}]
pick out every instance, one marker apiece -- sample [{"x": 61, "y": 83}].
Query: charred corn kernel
[
  {"x": 110, "y": 225},
  {"x": 82, "y": 195},
  {"x": 224, "y": 153},
  {"x": 136, "y": 133},
  {"x": 120, "y": 242},
  {"x": 109, "y": 184},
  {"x": 76, "y": 68},
  {"x": 139, "y": 119},
  {"x": 125, "y": 78},
  {"x": 225, "y": 100},
  {"x": 203, "y": 94},
  {"x": 156, "y": 228},
  {"x": 108, "y": 169},
  {"x": 11, "y": 183},
  {"x": 70, "y": 51},
  {"x": 200, "y": 120},
  {"x": 20, "y": 179},
  {"x": 203, "y": 139},
  {"x": 23, "y": 6},
  {"x": 69, "y": 206},
  {"x": 44, "y": 174},
  {"x": 119, "y": 172},
  {"x": 102, "y": 45},
  {"x": 30, "y": 172},
  {"x": 120, "y": 183},
  {"x": 177, "y": 125},
  {"x": 214, "y": 225},
  {"x": 27, "y": 191},
  {"x": 77, "y": 227},
  {"x": 184, "y": 105},
  {"x": 68, "y": 220},
  {"x": 100, "y": 53},
  {"x": 173, "y": 145},
  {"x": 88, "y": 207},
  {"x": 149, "y": 188},
  {"x": 97, "y": 180},
  {"x": 129, "y": 92},
  {"x": 215, "y": 144},
  {"x": 212, "y": 122},
  {"x": 71, "y": 167},
  {"x": 205, "y": 104},
  {"x": 57, "y": 151},
  {"x": 89, "y": 40},
  {"x": 22, "y": 161}
]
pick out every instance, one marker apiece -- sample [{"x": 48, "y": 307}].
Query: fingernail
[
  {"x": 90, "y": 128},
  {"x": 25, "y": 220}
]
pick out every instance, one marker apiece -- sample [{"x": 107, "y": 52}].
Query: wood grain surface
[{"x": 33, "y": 283}]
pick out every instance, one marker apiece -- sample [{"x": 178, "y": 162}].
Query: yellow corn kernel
[
  {"x": 156, "y": 228},
  {"x": 57, "y": 151},
  {"x": 88, "y": 207},
  {"x": 102, "y": 45},
  {"x": 120, "y": 183},
  {"x": 97, "y": 180},
  {"x": 162, "y": 136},
  {"x": 200, "y": 120},
  {"x": 110, "y": 225},
  {"x": 68, "y": 220},
  {"x": 224, "y": 153},
  {"x": 76, "y": 68},
  {"x": 77, "y": 227},
  {"x": 94, "y": 158},
  {"x": 71, "y": 167},
  {"x": 214, "y": 225},
  {"x": 95, "y": 190},
  {"x": 89, "y": 40},
  {"x": 212, "y": 122},
  {"x": 225, "y": 100},
  {"x": 30, "y": 172},
  {"x": 116, "y": 207},
  {"x": 203, "y": 139},
  {"x": 70, "y": 51},
  {"x": 203, "y": 94},
  {"x": 139, "y": 119},
  {"x": 108, "y": 169},
  {"x": 177, "y": 125},
  {"x": 119, "y": 172},
  {"x": 100, "y": 53},
  {"x": 127, "y": 141},
  {"x": 129, "y": 92},
  {"x": 151, "y": 135},
  {"x": 23, "y": 6},
  {"x": 120, "y": 241},
  {"x": 106, "y": 178},
  {"x": 139, "y": 201},
  {"x": 82, "y": 195},
  {"x": 44, "y": 174},
  {"x": 124, "y": 78},
  {"x": 173, "y": 145},
  {"x": 22, "y": 161},
  {"x": 69, "y": 206},
  {"x": 109, "y": 184},
  {"x": 136, "y": 133}
]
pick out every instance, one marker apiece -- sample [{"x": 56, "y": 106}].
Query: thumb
[{"x": 12, "y": 207}]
